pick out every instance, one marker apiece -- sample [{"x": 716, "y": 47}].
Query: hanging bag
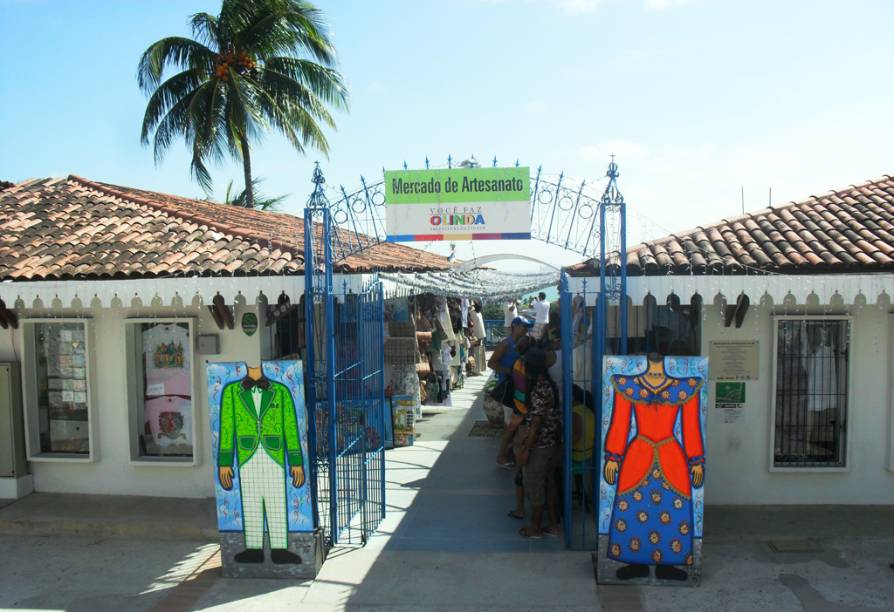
[{"x": 503, "y": 392}]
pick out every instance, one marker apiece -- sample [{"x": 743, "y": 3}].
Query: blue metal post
[
  {"x": 599, "y": 341},
  {"x": 310, "y": 391},
  {"x": 381, "y": 316},
  {"x": 363, "y": 336},
  {"x": 330, "y": 379},
  {"x": 320, "y": 205},
  {"x": 622, "y": 255},
  {"x": 565, "y": 318}
]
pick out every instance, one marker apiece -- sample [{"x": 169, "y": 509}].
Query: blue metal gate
[
  {"x": 344, "y": 328},
  {"x": 345, "y": 333},
  {"x": 584, "y": 312}
]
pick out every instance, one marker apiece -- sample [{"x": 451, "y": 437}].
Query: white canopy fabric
[{"x": 488, "y": 284}]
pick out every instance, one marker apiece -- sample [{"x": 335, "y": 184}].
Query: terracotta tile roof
[
  {"x": 68, "y": 228},
  {"x": 845, "y": 231}
]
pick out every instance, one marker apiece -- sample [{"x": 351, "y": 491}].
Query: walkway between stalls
[{"x": 446, "y": 540}]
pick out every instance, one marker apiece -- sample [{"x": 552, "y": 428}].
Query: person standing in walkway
[
  {"x": 552, "y": 344},
  {"x": 540, "y": 451},
  {"x": 541, "y": 315},
  {"x": 510, "y": 313},
  {"x": 505, "y": 354},
  {"x": 501, "y": 362},
  {"x": 476, "y": 327},
  {"x": 514, "y": 411}
]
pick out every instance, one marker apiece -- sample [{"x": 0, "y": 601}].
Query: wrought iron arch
[{"x": 573, "y": 216}]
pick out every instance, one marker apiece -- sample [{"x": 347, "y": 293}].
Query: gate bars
[
  {"x": 344, "y": 386},
  {"x": 585, "y": 342},
  {"x": 345, "y": 374}
]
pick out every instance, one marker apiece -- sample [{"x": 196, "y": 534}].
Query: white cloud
[
  {"x": 601, "y": 152},
  {"x": 671, "y": 187},
  {"x": 660, "y": 5},
  {"x": 577, "y": 7}
]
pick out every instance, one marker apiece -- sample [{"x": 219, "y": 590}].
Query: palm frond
[
  {"x": 231, "y": 198},
  {"x": 173, "y": 51},
  {"x": 272, "y": 110},
  {"x": 204, "y": 122},
  {"x": 325, "y": 83},
  {"x": 174, "y": 124},
  {"x": 206, "y": 27},
  {"x": 295, "y": 96},
  {"x": 273, "y": 27},
  {"x": 246, "y": 118},
  {"x": 166, "y": 96}
]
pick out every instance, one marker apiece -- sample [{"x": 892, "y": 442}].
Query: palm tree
[
  {"x": 240, "y": 198},
  {"x": 258, "y": 64}
]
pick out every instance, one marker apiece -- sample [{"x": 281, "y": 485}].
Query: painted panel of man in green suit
[{"x": 259, "y": 433}]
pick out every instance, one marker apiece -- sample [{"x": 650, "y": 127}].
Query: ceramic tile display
[
  {"x": 259, "y": 445},
  {"x": 62, "y": 383},
  {"x": 651, "y": 493}
]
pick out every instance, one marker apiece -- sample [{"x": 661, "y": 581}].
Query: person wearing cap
[
  {"x": 505, "y": 354},
  {"x": 502, "y": 360}
]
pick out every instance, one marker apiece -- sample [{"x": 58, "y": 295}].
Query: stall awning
[{"x": 473, "y": 283}]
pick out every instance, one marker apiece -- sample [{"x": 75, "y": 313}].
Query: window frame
[
  {"x": 847, "y": 439},
  {"x": 131, "y": 326},
  {"x": 30, "y": 393}
]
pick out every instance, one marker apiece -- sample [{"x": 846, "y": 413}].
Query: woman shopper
[{"x": 540, "y": 451}]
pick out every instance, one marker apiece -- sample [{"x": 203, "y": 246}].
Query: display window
[
  {"x": 57, "y": 388},
  {"x": 161, "y": 389}
]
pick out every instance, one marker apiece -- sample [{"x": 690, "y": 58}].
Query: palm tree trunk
[{"x": 246, "y": 169}]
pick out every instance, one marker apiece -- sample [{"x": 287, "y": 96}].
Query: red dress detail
[{"x": 654, "y": 440}]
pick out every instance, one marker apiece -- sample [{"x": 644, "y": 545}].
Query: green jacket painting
[{"x": 275, "y": 429}]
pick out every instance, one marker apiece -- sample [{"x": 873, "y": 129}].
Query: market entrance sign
[{"x": 458, "y": 204}]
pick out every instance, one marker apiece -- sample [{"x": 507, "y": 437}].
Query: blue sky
[{"x": 697, "y": 98}]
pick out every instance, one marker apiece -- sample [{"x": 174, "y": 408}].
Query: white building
[
  {"x": 113, "y": 298},
  {"x": 812, "y": 342}
]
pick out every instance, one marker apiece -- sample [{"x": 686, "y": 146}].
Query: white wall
[
  {"x": 739, "y": 453},
  {"x": 9, "y": 344},
  {"x": 112, "y": 471}
]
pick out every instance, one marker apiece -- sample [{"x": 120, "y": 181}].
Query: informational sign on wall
[
  {"x": 734, "y": 359},
  {"x": 458, "y": 204},
  {"x": 729, "y": 397}
]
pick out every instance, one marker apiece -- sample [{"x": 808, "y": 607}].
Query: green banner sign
[
  {"x": 458, "y": 204},
  {"x": 457, "y": 186},
  {"x": 730, "y": 393}
]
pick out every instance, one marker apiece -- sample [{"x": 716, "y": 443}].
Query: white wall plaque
[{"x": 733, "y": 359}]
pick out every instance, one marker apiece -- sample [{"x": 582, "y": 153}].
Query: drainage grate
[{"x": 794, "y": 546}]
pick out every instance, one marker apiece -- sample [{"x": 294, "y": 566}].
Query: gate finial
[
  {"x": 318, "y": 199},
  {"x": 612, "y": 169}
]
